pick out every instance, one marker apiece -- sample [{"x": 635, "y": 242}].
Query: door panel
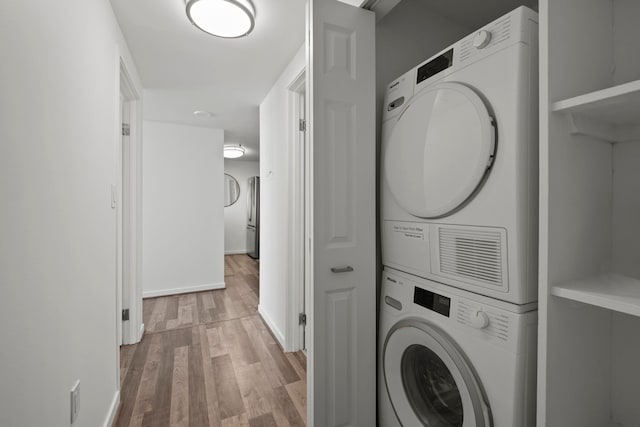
[{"x": 342, "y": 335}]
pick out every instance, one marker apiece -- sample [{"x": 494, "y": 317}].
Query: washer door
[
  {"x": 440, "y": 150},
  {"x": 429, "y": 381}
]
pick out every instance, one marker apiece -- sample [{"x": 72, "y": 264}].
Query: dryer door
[
  {"x": 429, "y": 381},
  {"x": 440, "y": 150}
]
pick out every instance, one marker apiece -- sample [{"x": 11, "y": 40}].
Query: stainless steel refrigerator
[{"x": 253, "y": 217}]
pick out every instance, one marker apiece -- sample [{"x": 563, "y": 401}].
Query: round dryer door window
[
  {"x": 440, "y": 150},
  {"x": 429, "y": 381}
]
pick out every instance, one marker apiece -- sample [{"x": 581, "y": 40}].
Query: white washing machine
[
  {"x": 452, "y": 358},
  {"x": 460, "y": 163}
]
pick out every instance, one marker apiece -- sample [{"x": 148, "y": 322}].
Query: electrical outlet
[{"x": 75, "y": 401}]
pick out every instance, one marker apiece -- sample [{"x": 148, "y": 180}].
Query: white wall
[
  {"x": 626, "y": 225},
  {"x": 626, "y": 254},
  {"x": 183, "y": 209},
  {"x": 58, "y": 129},
  {"x": 274, "y": 196},
  {"x": 235, "y": 216},
  {"x": 626, "y": 209}
]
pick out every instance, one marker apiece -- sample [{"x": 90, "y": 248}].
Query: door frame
[
  {"x": 296, "y": 283},
  {"x": 129, "y": 226}
]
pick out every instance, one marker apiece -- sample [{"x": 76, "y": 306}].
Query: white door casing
[
  {"x": 129, "y": 196},
  {"x": 294, "y": 330},
  {"x": 116, "y": 194},
  {"x": 341, "y": 131}
]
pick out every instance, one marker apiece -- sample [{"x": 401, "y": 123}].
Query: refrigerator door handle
[
  {"x": 250, "y": 199},
  {"x": 346, "y": 269}
]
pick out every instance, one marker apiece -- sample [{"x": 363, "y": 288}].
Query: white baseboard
[
  {"x": 186, "y": 289},
  {"x": 113, "y": 410},
  {"x": 276, "y": 332},
  {"x": 236, "y": 252},
  {"x": 141, "y": 332}
]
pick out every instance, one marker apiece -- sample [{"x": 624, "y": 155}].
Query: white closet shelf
[
  {"x": 609, "y": 290},
  {"x": 611, "y": 114}
]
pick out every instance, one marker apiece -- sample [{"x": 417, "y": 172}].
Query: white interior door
[{"x": 341, "y": 113}]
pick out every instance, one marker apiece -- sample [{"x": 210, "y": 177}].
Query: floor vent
[{"x": 469, "y": 254}]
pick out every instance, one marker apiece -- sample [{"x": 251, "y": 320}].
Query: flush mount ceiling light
[
  {"x": 222, "y": 18},
  {"x": 203, "y": 114},
  {"x": 233, "y": 151}
]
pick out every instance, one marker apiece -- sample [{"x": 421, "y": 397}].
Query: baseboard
[
  {"x": 141, "y": 332},
  {"x": 113, "y": 410},
  {"x": 185, "y": 290},
  {"x": 236, "y": 252},
  {"x": 275, "y": 331}
]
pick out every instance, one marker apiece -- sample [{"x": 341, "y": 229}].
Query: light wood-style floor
[{"x": 208, "y": 359}]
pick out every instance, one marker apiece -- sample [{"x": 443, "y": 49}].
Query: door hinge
[
  {"x": 125, "y": 314},
  {"x": 126, "y": 129},
  {"x": 113, "y": 197},
  {"x": 302, "y": 319},
  {"x": 303, "y": 125}
]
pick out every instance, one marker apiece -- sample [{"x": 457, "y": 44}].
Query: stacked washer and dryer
[{"x": 458, "y": 319}]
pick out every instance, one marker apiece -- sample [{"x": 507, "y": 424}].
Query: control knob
[
  {"x": 482, "y": 39},
  {"x": 479, "y": 319}
]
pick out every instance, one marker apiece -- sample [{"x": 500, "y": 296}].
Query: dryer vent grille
[{"x": 469, "y": 254}]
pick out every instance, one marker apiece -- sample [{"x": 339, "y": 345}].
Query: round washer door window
[
  {"x": 440, "y": 150},
  {"x": 429, "y": 381}
]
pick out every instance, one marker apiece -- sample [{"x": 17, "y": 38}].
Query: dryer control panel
[
  {"x": 435, "y": 65},
  {"x": 398, "y": 94},
  {"x": 518, "y": 26}
]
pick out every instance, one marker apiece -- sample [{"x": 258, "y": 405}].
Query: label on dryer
[
  {"x": 406, "y": 246},
  {"x": 411, "y": 231}
]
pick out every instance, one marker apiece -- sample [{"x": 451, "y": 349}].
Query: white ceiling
[{"x": 184, "y": 69}]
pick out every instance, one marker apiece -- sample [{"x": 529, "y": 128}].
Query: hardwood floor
[{"x": 208, "y": 359}]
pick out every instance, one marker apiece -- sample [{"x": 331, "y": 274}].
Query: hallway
[{"x": 208, "y": 359}]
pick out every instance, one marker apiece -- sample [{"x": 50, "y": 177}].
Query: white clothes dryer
[
  {"x": 460, "y": 163},
  {"x": 452, "y": 358}
]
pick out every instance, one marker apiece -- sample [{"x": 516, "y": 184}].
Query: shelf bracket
[{"x": 582, "y": 125}]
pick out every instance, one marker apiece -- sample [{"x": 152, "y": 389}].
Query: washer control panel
[
  {"x": 493, "y": 322},
  {"x": 432, "y": 301},
  {"x": 461, "y": 313}
]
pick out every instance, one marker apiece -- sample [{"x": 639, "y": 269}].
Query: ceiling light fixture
[
  {"x": 203, "y": 114},
  {"x": 222, "y": 18},
  {"x": 233, "y": 151}
]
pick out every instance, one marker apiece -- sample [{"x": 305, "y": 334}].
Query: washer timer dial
[{"x": 479, "y": 319}]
